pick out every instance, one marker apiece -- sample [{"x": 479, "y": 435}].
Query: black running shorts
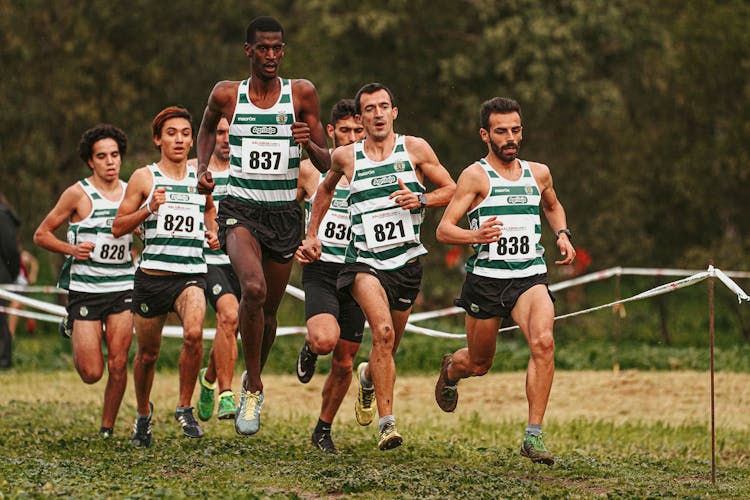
[
  {"x": 485, "y": 298},
  {"x": 154, "y": 295},
  {"x": 322, "y": 296},
  {"x": 97, "y": 306},
  {"x": 401, "y": 285},
  {"x": 221, "y": 280},
  {"x": 276, "y": 227}
]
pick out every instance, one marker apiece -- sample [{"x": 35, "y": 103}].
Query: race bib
[
  {"x": 111, "y": 250},
  {"x": 334, "y": 229},
  {"x": 265, "y": 156},
  {"x": 388, "y": 227},
  {"x": 518, "y": 238},
  {"x": 179, "y": 220}
]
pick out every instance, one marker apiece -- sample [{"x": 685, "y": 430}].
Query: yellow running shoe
[
  {"x": 364, "y": 406},
  {"x": 389, "y": 437}
]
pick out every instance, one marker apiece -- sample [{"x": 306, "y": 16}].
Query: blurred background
[{"x": 640, "y": 108}]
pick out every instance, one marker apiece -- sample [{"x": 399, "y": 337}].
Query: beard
[{"x": 504, "y": 157}]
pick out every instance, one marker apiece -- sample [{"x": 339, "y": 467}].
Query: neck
[
  {"x": 380, "y": 148},
  {"x": 177, "y": 168},
  {"x": 218, "y": 164},
  {"x": 103, "y": 184}
]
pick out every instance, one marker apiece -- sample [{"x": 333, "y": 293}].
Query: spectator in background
[
  {"x": 10, "y": 263},
  {"x": 27, "y": 276}
]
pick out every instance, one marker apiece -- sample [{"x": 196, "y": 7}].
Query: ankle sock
[
  {"x": 323, "y": 427},
  {"x": 384, "y": 420},
  {"x": 533, "y": 430},
  {"x": 367, "y": 384}
]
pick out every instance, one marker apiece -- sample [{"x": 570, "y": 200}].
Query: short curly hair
[{"x": 95, "y": 134}]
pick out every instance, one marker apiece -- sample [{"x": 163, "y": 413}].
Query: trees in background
[{"x": 641, "y": 109}]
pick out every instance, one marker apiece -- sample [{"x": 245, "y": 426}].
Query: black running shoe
[
  {"x": 306, "y": 364},
  {"x": 190, "y": 426},
  {"x": 142, "y": 429},
  {"x": 323, "y": 441}
]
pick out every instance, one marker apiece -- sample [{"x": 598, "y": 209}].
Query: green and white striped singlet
[
  {"x": 384, "y": 235},
  {"x": 174, "y": 234},
  {"x": 221, "y": 178},
  {"x": 334, "y": 232},
  {"x": 110, "y": 266},
  {"x": 264, "y": 160},
  {"x": 519, "y": 252}
]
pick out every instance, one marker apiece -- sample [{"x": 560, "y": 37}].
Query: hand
[
  {"x": 82, "y": 251},
  {"x": 308, "y": 251},
  {"x": 206, "y": 183},
  {"x": 405, "y": 198},
  {"x": 489, "y": 231},
  {"x": 566, "y": 250},
  {"x": 301, "y": 133},
  {"x": 158, "y": 199},
  {"x": 213, "y": 240}
]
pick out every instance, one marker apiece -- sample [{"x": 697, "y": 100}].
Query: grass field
[{"x": 624, "y": 435}]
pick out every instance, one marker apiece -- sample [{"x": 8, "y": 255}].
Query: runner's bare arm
[
  {"x": 222, "y": 97},
  {"x": 308, "y": 130},
  {"x": 131, "y": 213},
  {"x": 63, "y": 210}
]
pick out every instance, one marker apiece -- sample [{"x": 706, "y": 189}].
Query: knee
[
  {"x": 254, "y": 292},
  {"x": 481, "y": 367},
  {"x": 148, "y": 357},
  {"x": 90, "y": 374},
  {"x": 228, "y": 321},
  {"x": 118, "y": 365},
  {"x": 543, "y": 345},
  {"x": 322, "y": 345},
  {"x": 192, "y": 340},
  {"x": 383, "y": 337}
]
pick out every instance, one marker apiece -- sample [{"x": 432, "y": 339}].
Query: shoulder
[
  {"x": 540, "y": 171},
  {"x": 224, "y": 91},
  {"x": 418, "y": 147},
  {"x": 141, "y": 178},
  {"x": 473, "y": 174},
  {"x": 72, "y": 194},
  {"x": 303, "y": 87},
  {"x": 343, "y": 154}
]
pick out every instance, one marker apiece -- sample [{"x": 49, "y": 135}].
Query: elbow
[
  {"x": 117, "y": 229},
  {"x": 440, "y": 234},
  {"x": 38, "y": 237}
]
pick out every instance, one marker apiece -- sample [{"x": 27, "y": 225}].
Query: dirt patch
[{"x": 674, "y": 398}]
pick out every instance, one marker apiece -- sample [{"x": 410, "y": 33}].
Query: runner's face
[
  {"x": 105, "y": 161},
  {"x": 378, "y": 114},
  {"x": 221, "y": 150},
  {"x": 176, "y": 139},
  {"x": 346, "y": 131},
  {"x": 504, "y": 135},
  {"x": 265, "y": 54}
]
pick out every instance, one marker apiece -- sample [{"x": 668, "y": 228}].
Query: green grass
[{"x": 47, "y": 450}]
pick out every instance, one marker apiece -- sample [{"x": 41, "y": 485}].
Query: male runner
[
  {"x": 386, "y": 174},
  {"x": 98, "y": 269},
  {"x": 271, "y": 119},
  {"x": 334, "y": 320}
]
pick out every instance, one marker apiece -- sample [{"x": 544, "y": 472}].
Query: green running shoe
[
  {"x": 206, "y": 400},
  {"x": 533, "y": 448},
  {"x": 227, "y": 408}
]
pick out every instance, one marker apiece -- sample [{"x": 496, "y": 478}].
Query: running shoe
[
  {"x": 105, "y": 432},
  {"x": 206, "y": 400},
  {"x": 446, "y": 395},
  {"x": 306, "y": 364},
  {"x": 533, "y": 448},
  {"x": 247, "y": 420},
  {"x": 323, "y": 441},
  {"x": 66, "y": 328},
  {"x": 141, "y": 437},
  {"x": 364, "y": 406},
  {"x": 389, "y": 437},
  {"x": 227, "y": 408},
  {"x": 190, "y": 426}
]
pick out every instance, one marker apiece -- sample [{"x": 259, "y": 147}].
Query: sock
[
  {"x": 102, "y": 430},
  {"x": 384, "y": 420},
  {"x": 323, "y": 427},
  {"x": 533, "y": 430},
  {"x": 228, "y": 392},
  {"x": 205, "y": 381},
  {"x": 367, "y": 384}
]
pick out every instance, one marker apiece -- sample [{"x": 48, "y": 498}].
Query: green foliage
[{"x": 639, "y": 108}]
